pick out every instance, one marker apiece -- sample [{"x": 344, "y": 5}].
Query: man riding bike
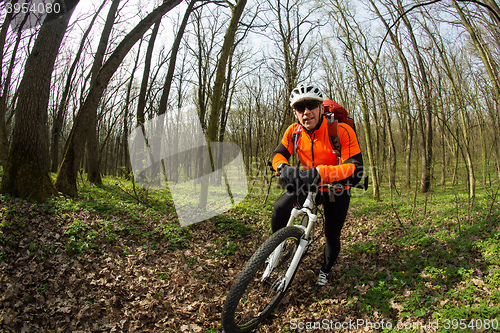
[{"x": 310, "y": 139}]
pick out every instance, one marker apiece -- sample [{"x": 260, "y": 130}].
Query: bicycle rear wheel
[{"x": 250, "y": 300}]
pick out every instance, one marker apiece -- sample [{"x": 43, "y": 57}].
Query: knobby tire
[{"x": 251, "y": 301}]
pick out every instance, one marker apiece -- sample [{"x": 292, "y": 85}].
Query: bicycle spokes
[
  {"x": 263, "y": 281},
  {"x": 268, "y": 283}
]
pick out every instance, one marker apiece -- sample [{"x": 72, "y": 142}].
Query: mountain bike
[{"x": 268, "y": 274}]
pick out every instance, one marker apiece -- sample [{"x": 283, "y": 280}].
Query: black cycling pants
[{"x": 335, "y": 214}]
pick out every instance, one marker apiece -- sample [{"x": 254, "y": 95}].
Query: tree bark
[{"x": 26, "y": 173}]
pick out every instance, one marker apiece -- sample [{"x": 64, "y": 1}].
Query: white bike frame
[{"x": 307, "y": 208}]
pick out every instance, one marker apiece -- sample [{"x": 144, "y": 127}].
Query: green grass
[
  {"x": 422, "y": 257},
  {"x": 101, "y": 214},
  {"x": 428, "y": 257},
  {"x": 418, "y": 258}
]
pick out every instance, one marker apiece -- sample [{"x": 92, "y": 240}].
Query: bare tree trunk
[
  {"x": 225, "y": 99},
  {"x": 407, "y": 84},
  {"x": 4, "y": 142},
  {"x": 441, "y": 109},
  {"x": 63, "y": 102},
  {"x": 93, "y": 158},
  {"x": 141, "y": 104},
  {"x": 387, "y": 123},
  {"x": 203, "y": 54},
  {"x": 26, "y": 173},
  {"x": 443, "y": 159},
  {"x": 482, "y": 134},
  {"x": 177, "y": 128},
  {"x": 485, "y": 56},
  {"x": 214, "y": 120},
  {"x": 458, "y": 95},
  {"x": 66, "y": 177},
  {"x": 426, "y": 139},
  {"x": 128, "y": 100},
  {"x": 392, "y": 145},
  {"x": 162, "y": 108},
  {"x": 364, "y": 105}
]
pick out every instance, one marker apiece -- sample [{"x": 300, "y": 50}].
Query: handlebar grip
[{"x": 270, "y": 166}]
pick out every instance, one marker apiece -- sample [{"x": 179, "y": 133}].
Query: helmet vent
[{"x": 305, "y": 92}]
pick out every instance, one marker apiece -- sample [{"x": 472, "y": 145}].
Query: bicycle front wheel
[{"x": 252, "y": 300}]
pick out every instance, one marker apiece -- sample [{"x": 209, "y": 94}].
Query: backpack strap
[
  {"x": 295, "y": 139},
  {"x": 333, "y": 132}
]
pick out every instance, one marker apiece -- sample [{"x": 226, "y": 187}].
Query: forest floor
[{"x": 107, "y": 262}]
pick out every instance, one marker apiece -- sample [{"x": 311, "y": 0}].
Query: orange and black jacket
[{"x": 314, "y": 149}]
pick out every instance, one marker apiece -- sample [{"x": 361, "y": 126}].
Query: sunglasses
[{"x": 310, "y": 105}]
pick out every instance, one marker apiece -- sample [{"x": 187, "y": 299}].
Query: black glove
[
  {"x": 289, "y": 176},
  {"x": 309, "y": 180}
]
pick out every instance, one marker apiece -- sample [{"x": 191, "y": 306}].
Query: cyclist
[{"x": 309, "y": 138}]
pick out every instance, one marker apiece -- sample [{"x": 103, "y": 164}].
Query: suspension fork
[
  {"x": 303, "y": 242},
  {"x": 293, "y": 265}
]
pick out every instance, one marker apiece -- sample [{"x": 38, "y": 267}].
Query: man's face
[{"x": 308, "y": 113}]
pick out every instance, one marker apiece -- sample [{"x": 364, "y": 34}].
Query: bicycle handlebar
[{"x": 363, "y": 186}]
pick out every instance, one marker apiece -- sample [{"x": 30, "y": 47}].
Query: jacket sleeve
[
  {"x": 284, "y": 150},
  {"x": 350, "y": 170}
]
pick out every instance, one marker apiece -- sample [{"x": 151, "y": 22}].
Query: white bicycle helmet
[{"x": 303, "y": 92}]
